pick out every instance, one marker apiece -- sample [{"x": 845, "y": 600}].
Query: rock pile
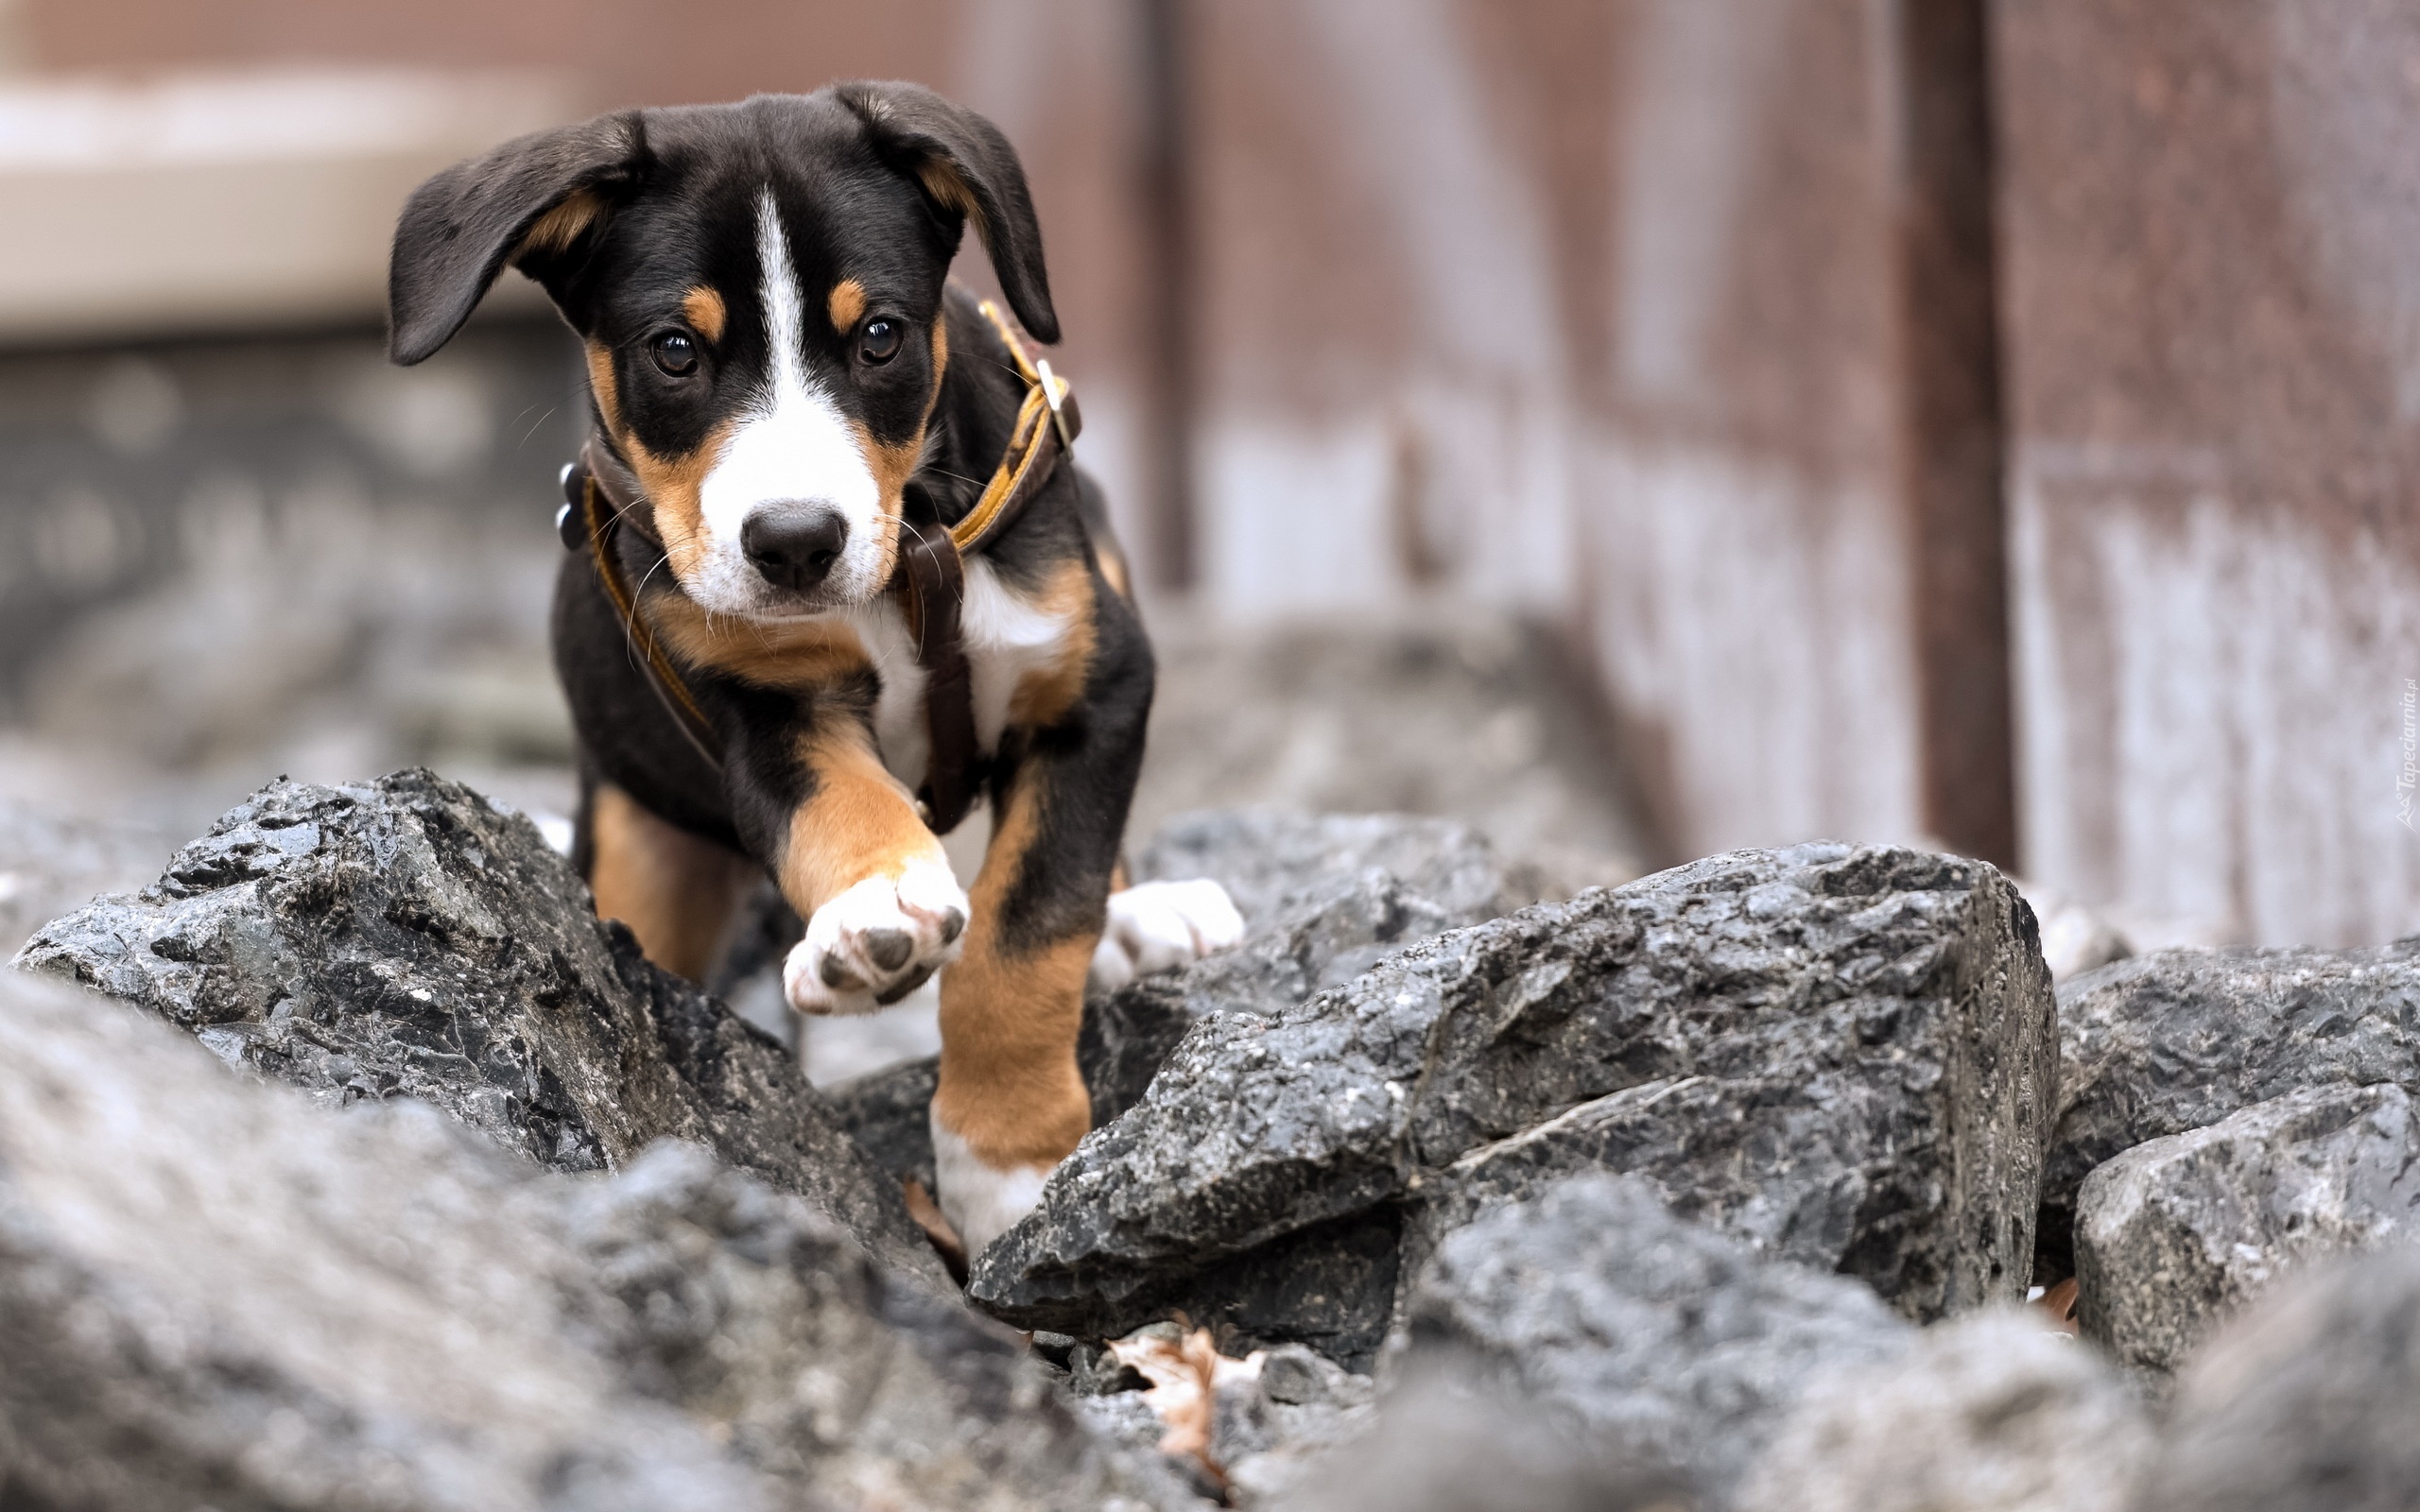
[
  {"x": 1841, "y": 1056},
  {"x": 2176, "y": 1040},
  {"x": 1706, "y": 1192},
  {"x": 216, "y": 1294}
]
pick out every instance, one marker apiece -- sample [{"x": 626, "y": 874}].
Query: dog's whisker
[{"x": 533, "y": 424}]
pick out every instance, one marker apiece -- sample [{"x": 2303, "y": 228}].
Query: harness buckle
[{"x": 1054, "y": 393}]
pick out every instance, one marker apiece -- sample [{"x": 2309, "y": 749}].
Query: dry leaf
[
  {"x": 2060, "y": 1302},
  {"x": 1186, "y": 1374}
]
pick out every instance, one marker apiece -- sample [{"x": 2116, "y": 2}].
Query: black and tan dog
[{"x": 790, "y": 404}]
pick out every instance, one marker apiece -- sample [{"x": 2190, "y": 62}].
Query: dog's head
[{"x": 759, "y": 286}]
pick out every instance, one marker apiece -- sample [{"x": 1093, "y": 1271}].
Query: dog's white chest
[{"x": 1007, "y": 638}]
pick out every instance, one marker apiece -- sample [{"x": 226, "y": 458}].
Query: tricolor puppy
[{"x": 788, "y": 398}]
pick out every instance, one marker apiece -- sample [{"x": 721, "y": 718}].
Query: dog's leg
[
  {"x": 1010, "y": 1104},
  {"x": 678, "y": 892},
  {"x": 882, "y": 911}
]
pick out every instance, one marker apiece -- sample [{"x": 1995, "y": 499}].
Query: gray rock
[
  {"x": 2307, "y": 1402},
  {"x": 1662, "y": 1342},
  {"x": 1988, "y": 1413},
  {"x": 2177, "y": 1233},
  {"x": 405, "y": 938},
  {"x": 1843, "y": 1056},
  {"x": 2180, "y": 1038},
  {"x": 775, "y": 1328},
  {"x": 212, "y": 1293}
]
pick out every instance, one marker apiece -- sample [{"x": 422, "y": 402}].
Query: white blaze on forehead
[{"x": 791, "y": 443}]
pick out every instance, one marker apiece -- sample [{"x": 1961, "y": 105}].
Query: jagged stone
[
  {"x": 2180, "y": 1038},
  {"x": 1988, "y": 1413},
  {"x": 2306, "y": 1402},
  {"x": 1665, "y": 1344},
  {"x": 213, "y": 1293},
  {"x": 405, "y": 938},
  {"x": 1841, "y": 1056},
  {"x": 2177, "y": 1233}
]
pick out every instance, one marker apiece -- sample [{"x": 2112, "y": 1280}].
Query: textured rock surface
[
  {"x": 2177, "y": 1233},
  {"x": 212, "y": 1293},
  {"x": 776, "y": 1331},
  {"x": 1663, "y": 1342},
  {"x": 1843, "y": 1056},
  {"x": 2178, "y": 1039},
  {"x": 2306, "y": 1402},
  {"x": 1324, "y": 897},
  {"x": 1987, "y": 1412},
  {"x": 405, "y": 938}
]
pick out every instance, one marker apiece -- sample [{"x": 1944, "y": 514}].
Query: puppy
[{"x": 835, "y": 576}]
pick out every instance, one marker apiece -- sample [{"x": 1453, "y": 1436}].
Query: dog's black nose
[{"x": 794, "y": 545}]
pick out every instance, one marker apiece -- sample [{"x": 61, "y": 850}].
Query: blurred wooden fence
[{"x": 1991, "y": 419}]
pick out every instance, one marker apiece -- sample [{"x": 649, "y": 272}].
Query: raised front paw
[
  {"x": 878, "y": 941},
  {"x": 1157, "y": 926}
]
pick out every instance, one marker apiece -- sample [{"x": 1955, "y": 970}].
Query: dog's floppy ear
[
  {"x": 967, "y": 168},
  {"x": 531, "y": 200}
]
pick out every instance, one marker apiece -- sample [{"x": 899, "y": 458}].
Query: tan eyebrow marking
[
  {"x": 704, "y": 310},
  {"x": 848, "y": 305}
]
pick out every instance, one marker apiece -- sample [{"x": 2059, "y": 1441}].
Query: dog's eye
[
  {"x": 880, "y": 341},
  {"x": 674, "y": 352}
]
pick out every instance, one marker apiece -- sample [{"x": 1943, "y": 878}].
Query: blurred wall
[
  {"x": 1060, "y": 77},
  {"x": 1917, "y": 415},
  {"x": 1605, "y": 308},
  {"x": 2212, "y": 236}
]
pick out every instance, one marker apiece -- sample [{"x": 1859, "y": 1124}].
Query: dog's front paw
[
  {"x": 878, "y": 941},
  {"x": 1157, "y": 926}
]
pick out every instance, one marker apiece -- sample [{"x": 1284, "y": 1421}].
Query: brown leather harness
[{"x": 601, "y": 495}]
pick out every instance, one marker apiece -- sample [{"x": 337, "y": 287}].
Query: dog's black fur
[{"x": 618, "y": 219}]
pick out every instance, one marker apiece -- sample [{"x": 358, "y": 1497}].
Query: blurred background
[{"x": 1642, "y": 427}]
